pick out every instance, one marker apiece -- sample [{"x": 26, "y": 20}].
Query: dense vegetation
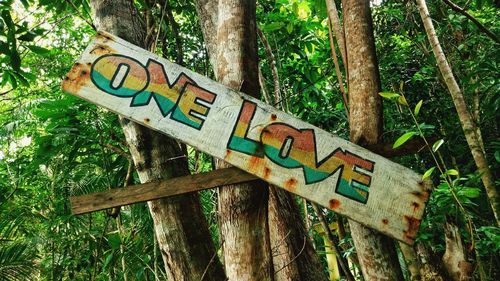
[{"x": 53, "y": 146}]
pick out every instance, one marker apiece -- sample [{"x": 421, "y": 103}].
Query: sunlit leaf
[
  {"x": 402, "y": 139},
  {"x": 437, "y": 145},
  {"x": 417, "y": 108},
  {"x": 452, "y": 172},
  {"x": 388, "y": 95},
  {"x": 428, "y": 173},
  {"x": 402, "y": 100}
]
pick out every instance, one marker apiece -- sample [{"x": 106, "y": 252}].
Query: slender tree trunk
[
  {"x": 333, "y": 16},
  {"x": 180, "y": 226},
  {"x": 430, "y": 267},
  {"x": 243, "y": 207},
  {"x": 454, "y": 258},
  {"x": 376, "y": 252},
  {"x": 412, "y": 261},
  {"x": 463, "y": 113},
  {"x": 294, "y": 257}
]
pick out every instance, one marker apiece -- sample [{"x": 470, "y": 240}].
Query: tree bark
[
  {"x": 430, "y": 267},
  {"x": 333, "y": 16},
  {"x": 376, "y": 252},
  {"x": 454, "y": 258},
  {"x": 412, "y": 261},
  {"x": 242, "y": 208},
  {"x": 463, "y": 113},
  {"x": 294, "y": 257},
  {"x": 180, "y": 226}
]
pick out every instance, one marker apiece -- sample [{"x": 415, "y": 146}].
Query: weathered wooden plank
[
  {"x": 251, "y": 135},
  {"x": 155, "y": 190}
]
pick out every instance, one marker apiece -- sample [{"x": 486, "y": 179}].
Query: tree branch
[{"x": 479, "y": 25}]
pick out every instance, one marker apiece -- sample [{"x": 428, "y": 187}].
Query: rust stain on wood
[
  {"x": 421, "y": 195},
  {"x": 385, "y": 221},
  {"x": 290, "y": 184},
  {"x": 267, "y": 172},
  {"x": 334, "y": 204},
  {"x": 254, "y": 163},
  {"x": 415, "y": 206},
  {"x": 101, "y": 49},
  {"x": 104, "y": 37},
  {"x": 413, "y": 225},
  {"x": 274, "y": 117},
  {"x": 77, "y": 77}
]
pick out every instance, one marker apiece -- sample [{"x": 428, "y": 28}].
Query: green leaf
[
  {"x": 15, "y": 60},
  {"x": 38, "y": 50},
  {"x": 452, "y": 172},
  {"x": 437, "y": 145},
  {"x": 389, "y": 95},
  {"x": 273, "y": 26},
  {"x": 471, "y": 192},
  {"x": 109, "y": 258},
  {"x": 289, "y": 27},
  {"x": 114, "y": 241},
  {"x": 402, "y": 100},
  {"x": 417, "y": 108},
  {"x": 428, "y": 173},
  {"x": 28, "y": 36},
  {"x": 402, "y": 139},
  {"x": 4, "y": 48},
  {"x": 497, "y": 156}
]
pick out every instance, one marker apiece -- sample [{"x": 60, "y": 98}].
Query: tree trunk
[
  {"x": 454, "y": 258},
  {"x": 179, "y": 223},
  {"x": 376, "y": 252},
  {"x": 431, "y": 268},
  {"x": 412, "y": 261},
  {"x": 243, "y": 207},
  {"x": 294, "y": 257},
  {"x": 463, "y": 113}
]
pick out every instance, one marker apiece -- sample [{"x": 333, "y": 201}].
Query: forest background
[{"x": 53, "y": 146}]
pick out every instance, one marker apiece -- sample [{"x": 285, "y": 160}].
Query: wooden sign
[{"x": 250, "y": 135}]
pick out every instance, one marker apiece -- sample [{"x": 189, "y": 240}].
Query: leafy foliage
[{"x": 53, "y": 146}]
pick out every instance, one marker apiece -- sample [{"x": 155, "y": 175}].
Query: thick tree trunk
[
  {"x": 293, "y": 260},
  {"x": 376, "y": 252},
  {"x": 242, "y": 208},
  {"x": 463, "y": 113},
  {"x": 179, "y": 223}
]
